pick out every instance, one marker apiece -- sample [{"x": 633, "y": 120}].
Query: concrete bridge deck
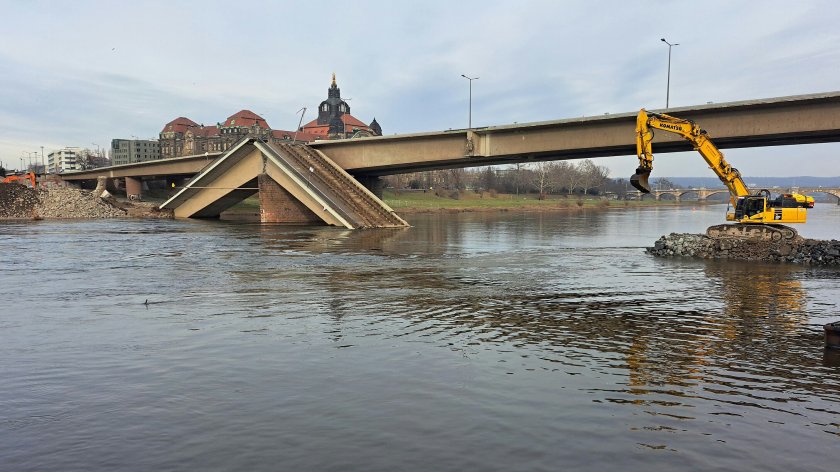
[{"x": 798, "y": 119}]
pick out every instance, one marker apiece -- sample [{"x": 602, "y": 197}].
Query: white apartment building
[{"x": 63, "y": 160}]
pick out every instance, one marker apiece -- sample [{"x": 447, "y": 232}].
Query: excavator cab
[{"x": 639, "y": 180}]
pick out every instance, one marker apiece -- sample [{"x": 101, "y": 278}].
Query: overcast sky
[{"x": 79, "y": 73}]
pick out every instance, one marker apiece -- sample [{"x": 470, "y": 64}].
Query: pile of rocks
[
  {"x": 67, "y": 202},
  {"x": 17, "y": 201},
  {"x": 798, "y": 250},
  {"x": 21, "y": 202}
]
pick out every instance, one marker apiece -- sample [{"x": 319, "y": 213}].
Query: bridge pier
[
  {"x": 277, "y": 205},
  {"x": 133, "y": 188}
]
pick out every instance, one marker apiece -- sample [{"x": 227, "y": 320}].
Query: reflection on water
[{"x": 485, "y": 342}]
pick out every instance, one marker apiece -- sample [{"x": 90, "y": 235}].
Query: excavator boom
[
  {"x": 647, "y": 121},
  {"x": 763, "y": 214}
]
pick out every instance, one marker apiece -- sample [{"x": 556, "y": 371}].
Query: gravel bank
[
  {"x": 74, "y": 203},
  {"x": 21, "y": 202},
  {"x": 797, "y": 251}
]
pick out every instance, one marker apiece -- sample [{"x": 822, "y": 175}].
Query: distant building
[
  {"x": 335, "y": 121},
  {"x": 184, "y": 137},
  {"x": 63, "y": 160},
  {"x": 129, "y": 151}
]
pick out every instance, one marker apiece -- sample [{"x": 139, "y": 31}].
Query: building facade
[
  {"x": 63, "y": 160},
  {"x": 129, "y": 151},
  {"x": 184, "y": 137}
]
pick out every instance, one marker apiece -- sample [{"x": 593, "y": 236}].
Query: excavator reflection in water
[{"x": 755, "y": 215}]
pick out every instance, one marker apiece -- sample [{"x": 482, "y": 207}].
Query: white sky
[{"x": 77, "y": 73}]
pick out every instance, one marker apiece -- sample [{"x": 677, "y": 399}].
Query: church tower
[
  {"x": 334, "y": 120},
  {"x": 333, "y": 107}
]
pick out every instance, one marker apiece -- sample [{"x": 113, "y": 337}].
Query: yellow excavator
[{"x": 755, "y": 215}]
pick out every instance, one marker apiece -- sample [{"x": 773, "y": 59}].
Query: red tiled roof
[
  {"x": 179, "y": 125},
  {"x": 349, "y": 120},
  {"x": 301, "y": 135},
  {"x": 246, "y": 118},
  {"x": 205, "y": 131}
]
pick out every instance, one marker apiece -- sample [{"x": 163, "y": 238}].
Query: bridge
[
  {"x": 704, "y": 194},
  {"x": 790, "y": 120}
]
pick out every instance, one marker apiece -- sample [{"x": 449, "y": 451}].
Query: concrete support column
[
  {"x": 373, "y": 183},
  {"x": 277, "y": 205},
  {"x": 133, "y": 188},
  {"x": 678, "y": 198}
]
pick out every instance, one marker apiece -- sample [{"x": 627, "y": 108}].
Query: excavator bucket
[{"x": 639, "y": 180}]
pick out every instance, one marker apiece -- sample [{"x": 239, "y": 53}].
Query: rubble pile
[
  {"x": 67, "y": 202},
  {"x": 17, "y": 201},
  {"x": 21, "y": 202},
  {"x": 798, "y": 250}
]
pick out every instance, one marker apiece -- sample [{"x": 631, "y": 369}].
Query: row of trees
[
  {"x": 542, "y": 178},
  {"x": 90, "y": 159}
]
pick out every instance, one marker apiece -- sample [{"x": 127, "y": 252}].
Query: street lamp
[
  {"x": 668, "y": 87},
  {"x": 470, "y": 115}
]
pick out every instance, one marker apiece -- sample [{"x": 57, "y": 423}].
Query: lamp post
[
  {"x": 668, "y": 87},
  {"x": 470, "y": 109},
  {"x": 35, "y": 168},
  {"x": 28, "y": 158}
]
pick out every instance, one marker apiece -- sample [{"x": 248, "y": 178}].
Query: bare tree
[
  {"x": 664, "y": 184},
  {"x": 592, "y": 176},
  {"x": 541, "y": 177},
  {"x": 563, "y": 175},
  {"x": 87, "y": 159}
]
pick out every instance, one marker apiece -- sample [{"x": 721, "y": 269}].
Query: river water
[{"x": 503, "y": 341}]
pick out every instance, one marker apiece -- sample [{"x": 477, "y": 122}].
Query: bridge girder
[{"x": 799, "y": 119}]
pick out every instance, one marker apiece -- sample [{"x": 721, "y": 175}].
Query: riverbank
[{"x": 431, "y": 201}]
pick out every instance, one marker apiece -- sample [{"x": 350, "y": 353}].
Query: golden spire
[{"x": 333, "y": 82}]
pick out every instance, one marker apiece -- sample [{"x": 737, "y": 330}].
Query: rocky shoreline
[
  {"x": 798, "y": 250},
  {"x": 21, "y": 202}
]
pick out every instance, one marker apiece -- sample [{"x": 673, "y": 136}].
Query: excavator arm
[{"x": 646, "y": 122}]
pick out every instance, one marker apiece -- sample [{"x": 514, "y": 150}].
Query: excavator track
[{"x": 752, "y": 231}]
